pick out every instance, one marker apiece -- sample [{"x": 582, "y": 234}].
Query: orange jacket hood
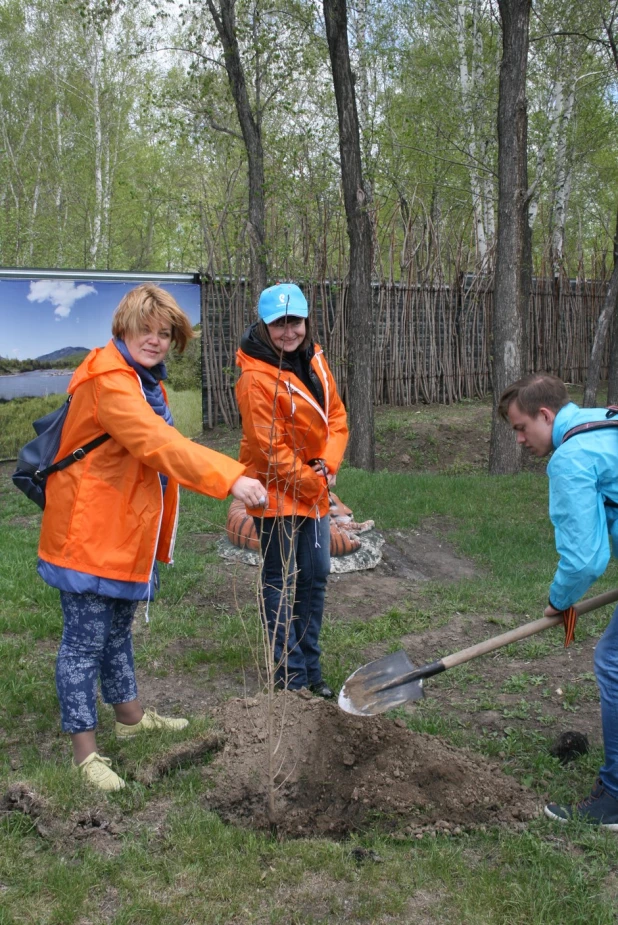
[{"x": 99, "y": 361}]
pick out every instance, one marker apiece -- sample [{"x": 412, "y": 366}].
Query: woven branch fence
[{"x": 432, "y": 342}]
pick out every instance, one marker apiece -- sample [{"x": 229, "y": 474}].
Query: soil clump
[
  {"x": 98, "y": 824},
  {"x": 335, "y": 774}
]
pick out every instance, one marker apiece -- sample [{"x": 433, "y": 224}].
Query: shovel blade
[{"x": 361, "y": 694}]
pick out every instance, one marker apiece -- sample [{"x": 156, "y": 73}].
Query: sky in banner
[{"x": 38, "y": 316}]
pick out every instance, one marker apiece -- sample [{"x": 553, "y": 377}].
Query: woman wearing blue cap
[{"x": 294, "y": 437}]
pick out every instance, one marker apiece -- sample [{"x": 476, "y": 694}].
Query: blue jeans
[
  {"x": 295, "y": 569},
  {"x": 606, "y": 671},
  {"x": 96, "y": 643}
]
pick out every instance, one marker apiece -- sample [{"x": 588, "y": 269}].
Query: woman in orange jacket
[
  {"x": 109, "y": 517},
  {"x": 294, "y": 437}
]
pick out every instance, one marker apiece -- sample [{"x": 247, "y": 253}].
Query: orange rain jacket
[
  {"x": 106, "y": 514},
  {"x": 284, "y": 427}
]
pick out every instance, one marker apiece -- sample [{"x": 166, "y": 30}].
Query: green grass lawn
[{"x": 176, "y": 863}]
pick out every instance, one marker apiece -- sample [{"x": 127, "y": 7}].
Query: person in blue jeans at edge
[
  {"x": 294, "y": 437},
  {"x": 583, "y": 508}
]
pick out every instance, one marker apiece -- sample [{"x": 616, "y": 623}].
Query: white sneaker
[
  {"x": 97, "y": 770},
  {"x": 150, "y": 721}
]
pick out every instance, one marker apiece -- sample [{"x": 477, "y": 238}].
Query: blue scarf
[{"x": 150, "y": 379}]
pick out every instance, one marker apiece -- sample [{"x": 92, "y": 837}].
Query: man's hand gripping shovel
[{"x": 392, "y": 680}]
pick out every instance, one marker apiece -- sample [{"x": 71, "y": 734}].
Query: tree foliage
[{"x": 122, "y": 148}]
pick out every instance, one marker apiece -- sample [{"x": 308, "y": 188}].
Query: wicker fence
[{"x": 432, "y": 344}]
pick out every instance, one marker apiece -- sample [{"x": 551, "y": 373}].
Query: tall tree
[
  {"x": 612, "y": 383},
  {"x": 116, "y": 159},
  {"x": 610, "y": 307},
  {"x": 513, "y": 248},
  {"x": 607, "y": 312},
  {"x": 473, "y": 85},
  {"x": 250, "y": 120},
  {"x": 361, "y": 322}
]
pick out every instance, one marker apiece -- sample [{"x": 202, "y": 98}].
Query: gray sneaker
[{"x": 600, "y": 808}]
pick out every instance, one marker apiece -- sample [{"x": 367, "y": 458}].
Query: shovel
[{"x": 392, "y": 680}]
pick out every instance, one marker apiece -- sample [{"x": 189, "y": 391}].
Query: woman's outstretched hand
[{"x": 249, "y": 491}]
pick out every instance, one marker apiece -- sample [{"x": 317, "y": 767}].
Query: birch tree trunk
[
  {"x": 362, "y": 92},
  {"x": 36, "y": 193},
  {"x": 113, "y": 148},
  {"x": 609, "y": 309},
  {"x": 513, "y": 250},
  {"x": 251, "y": 128},
  {"x": 554, "y": 108},
  {"x": 16, "y": 186},
  {"x": 361, "y": 323},
  {"x": 472, "y": 79},
  {"x": 58, "y": 198},
  {"x": 611, "y": 300},
  {"x": 562, "y": 184},
  {"x": 95, "y": 238},
  {"x": 612, "y": 379}
]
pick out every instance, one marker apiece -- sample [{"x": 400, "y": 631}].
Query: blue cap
[{"x": 282, "y": 299}]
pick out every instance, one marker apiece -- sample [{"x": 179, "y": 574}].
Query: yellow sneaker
[
  {"x": 150, "y": 721},
  {"x": 97, "y": 771}
]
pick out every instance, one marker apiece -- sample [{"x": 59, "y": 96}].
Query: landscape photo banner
[{"x": 39, "y": 317}]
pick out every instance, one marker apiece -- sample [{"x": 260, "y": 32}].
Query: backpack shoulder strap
[
  {"x": 76, "y": 455},
  {"x": 610, "y": 421}
]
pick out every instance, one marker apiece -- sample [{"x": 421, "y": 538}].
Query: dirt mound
[{"x": 335, "y": 774}]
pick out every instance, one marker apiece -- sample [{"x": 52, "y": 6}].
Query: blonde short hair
[{"x": 146, "y": 304}]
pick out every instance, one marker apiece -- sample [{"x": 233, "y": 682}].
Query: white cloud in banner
[{"x": 62, "y": 293}]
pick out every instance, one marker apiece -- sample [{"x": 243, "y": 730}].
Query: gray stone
[{"x": 365, "y": 557}]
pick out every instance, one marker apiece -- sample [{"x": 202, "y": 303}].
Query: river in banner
[{"x": 37, "y": 382}]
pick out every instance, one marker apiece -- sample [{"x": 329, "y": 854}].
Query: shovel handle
[{"x": 528, "y": 629}]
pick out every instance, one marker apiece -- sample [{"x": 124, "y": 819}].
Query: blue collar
[{"x": 570, "y": 416}]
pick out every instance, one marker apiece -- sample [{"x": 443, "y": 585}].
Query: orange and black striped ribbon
[{"x": 569, "y": 618}]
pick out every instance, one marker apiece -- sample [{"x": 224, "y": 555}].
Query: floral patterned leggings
[{"x": 96, "y": 643}]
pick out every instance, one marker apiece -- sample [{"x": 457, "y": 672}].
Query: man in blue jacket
[{"x": 583, "y": 507}]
